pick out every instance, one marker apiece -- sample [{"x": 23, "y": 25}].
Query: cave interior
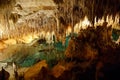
[{"x": 59, "y": 39}]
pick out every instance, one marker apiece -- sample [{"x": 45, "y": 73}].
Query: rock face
[
  {"x": 94, "y": 48},
  {"x": 58, "y": 70},
  {"x": 4, "y": 75},
  {"x": 33, "y": 72}
]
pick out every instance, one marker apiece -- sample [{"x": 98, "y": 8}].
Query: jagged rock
[
  {"x": 58, "y": 70},
  {"x": 94, "y": 49},
  {"x": 63, "y": 71},
  {"x": 4, "y": 75},
  {"x": 33, "y": 72}
]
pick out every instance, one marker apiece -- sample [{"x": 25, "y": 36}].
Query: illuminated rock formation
[{"x": 33, "y": 30}]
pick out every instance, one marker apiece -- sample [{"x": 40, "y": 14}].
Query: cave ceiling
[
  {"x": 65, "y": 11},
  {"x": 91, "y": 8}
]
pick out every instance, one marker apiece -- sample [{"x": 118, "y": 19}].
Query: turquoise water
[
  {"x": 115, "y": 36},
  {"x": 51, "y": 56}
]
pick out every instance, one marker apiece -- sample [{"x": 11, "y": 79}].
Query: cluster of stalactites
[
  {"x": 40, "y": 25},
  {"x": 111, "y": 20},
  {"x": 6, "y": 6},
  {"x": 45, "y": 27}
]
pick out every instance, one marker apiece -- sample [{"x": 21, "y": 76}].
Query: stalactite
[{"x": 68, "y": 13}]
